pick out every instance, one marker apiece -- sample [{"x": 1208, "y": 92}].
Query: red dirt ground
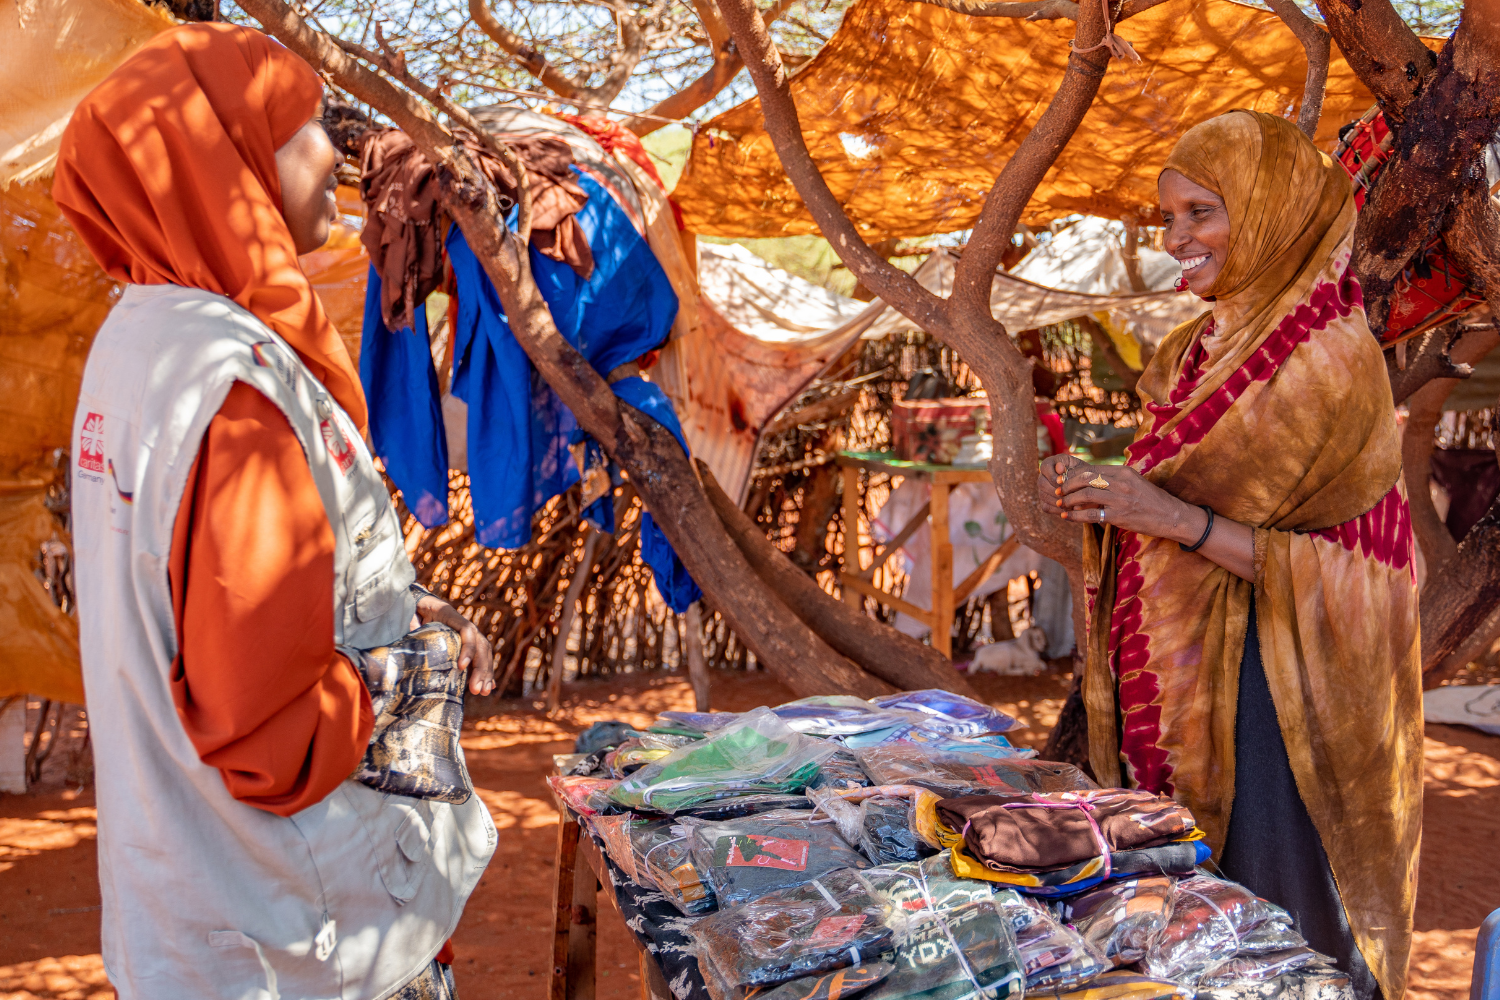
[{"x": 49, "y": 893}]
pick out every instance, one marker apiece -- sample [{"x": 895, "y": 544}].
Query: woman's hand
[
  {"x": 1130, "y": 501},
  {"x": 474, "y": 654},
  {"x": 1133, "y": 503}
]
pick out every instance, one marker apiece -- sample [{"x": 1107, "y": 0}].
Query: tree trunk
[
  {"x": 696, "y": 668},
  {"x": 649, "y": 454},
  {"x": 888, "y": 654}
]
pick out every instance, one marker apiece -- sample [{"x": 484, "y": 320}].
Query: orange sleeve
[{"x": 261, "y": 691}]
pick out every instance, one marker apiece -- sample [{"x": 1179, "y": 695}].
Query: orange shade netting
[{"x": 910, "y": 111}]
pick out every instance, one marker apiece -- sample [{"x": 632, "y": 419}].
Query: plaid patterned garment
[{"x": 417, "y": 693}]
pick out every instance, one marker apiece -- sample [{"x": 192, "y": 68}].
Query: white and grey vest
[{"x": 204, "y": 896}]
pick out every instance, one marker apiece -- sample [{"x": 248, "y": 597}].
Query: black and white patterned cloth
[{"x": 661, "y": 929}]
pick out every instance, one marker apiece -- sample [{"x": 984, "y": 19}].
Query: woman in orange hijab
[
  {"x": 1252, "y": 604},
  {"x": 238, "y": 555}
]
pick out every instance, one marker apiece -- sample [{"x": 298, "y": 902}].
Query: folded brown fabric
[
  {"x": 1052, "y": 829},
  {"x": 404, "y": 234}
]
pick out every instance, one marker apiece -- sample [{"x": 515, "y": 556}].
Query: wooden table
[
  {"x": 580, "y": 874},
  {"x": 858, "y": 582}
]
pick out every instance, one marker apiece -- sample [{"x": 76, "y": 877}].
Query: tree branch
[
  {"x": 647, "y": 451},
  {"x": 570, "y": 88},
  {"x": 1316, "y": 44},
  {"x": 1429, "y": 360},
  {"x": 1384, "y": 53},
  {"x": 726, "y": 66}
]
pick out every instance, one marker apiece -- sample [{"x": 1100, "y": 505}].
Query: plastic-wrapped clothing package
[
  {"x": 584, "y": 795},
  {"x": 952, "y": 774},
  {"x": 1051, "y": 830},
  {"x": 757, "y": 753},
  {"x": 995, "y": 745},
  {"x": 840, "y": 984},
  {"x": 951, "y": 713},
  {"x": 662, "y": 856},
  {"x": 735, "y": 806},
  {"x": 1259, "y": 968},
  {"x": 743, "y": 859},
  {"x": 838, "y": 715},
  {"x": 887, "y": 831},
  {"x": 1213, "y": 920},
  {"x": 1311, "y": 982},
  {"x": 832, "y": 922},
  {"x": 700, "y": 723},
  {"x": 1055, "y": 957},
  {"x": 1178, "y": 858},
  {"x": 841, "y": 770},
  {"x": 952, "y": 943},
  {"x": 614, "y": 832},
  {"x": 1122, "y": 985},
  {"x": 1120, "y": 918}
]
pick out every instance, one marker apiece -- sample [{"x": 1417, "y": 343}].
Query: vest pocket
[{"x": 408, "y": 863}]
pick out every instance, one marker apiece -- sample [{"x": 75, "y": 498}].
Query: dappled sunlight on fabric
[
  {"x": 512, "y": 809},
  {"x": 70, "y": 977}
]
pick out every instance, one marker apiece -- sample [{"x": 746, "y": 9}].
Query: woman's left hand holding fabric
[
  {"x": 1131, "y": 502},
  {"x": 475, "y": 653}
]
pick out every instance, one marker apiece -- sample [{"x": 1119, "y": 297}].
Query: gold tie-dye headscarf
[{"x": 1274, "y": 408}]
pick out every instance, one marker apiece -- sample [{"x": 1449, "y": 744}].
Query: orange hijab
[{"x": 167, "y": 170}]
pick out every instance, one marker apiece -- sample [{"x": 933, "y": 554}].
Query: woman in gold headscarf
[{"x": 1253, "y": 640}]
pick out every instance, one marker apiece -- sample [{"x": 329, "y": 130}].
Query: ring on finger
[{"x": 1099, "y": 483}]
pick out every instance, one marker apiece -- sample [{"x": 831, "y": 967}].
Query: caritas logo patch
[
  {"x": 91, "y": 443},
  {"x": 338, "y": 444}
]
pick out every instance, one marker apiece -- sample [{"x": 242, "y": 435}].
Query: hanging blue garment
[
  {"x": 406, "y": 416},
  {"x": 518, "y": 428}
]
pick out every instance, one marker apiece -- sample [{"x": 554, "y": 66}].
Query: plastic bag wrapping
[
  {"x": 578, "y": 765},
  {"x": 836, "y": 806},
  {"x": 832, "y": 922},
  {"x": 1052, "y": 830},
  {"x": 735, "y": 806},
  {"x": 757, "y": 753},
  {"x": 416, "y": 690},
  {"x": 954, "y": 774},
  {"x": 1056, "y": 958},
  {"x": 841, "y": 770},
  {"x": 1315, "y": 981},
  {"x": 614, "y": 833},
  {"x": 662, "y": 856},
  {"x": 887, "y": 831},
  {"x": 701, "y": 723},
  {"x": 1212, "y": 921},
  {"x": 1259, "y": 968},
  {"x": 951, "y": 713},
  {"x": 837, "y": 985},
  {"x": 1121, "y": 918},
  {"x": 1124, "y": 985},
  {"x": 585, "y": 796},
  {"x": 921, "y": 734},
  {"x": 839, "y": 715},
  {"x": 951, "y": 942},
  {"x": 744, "y": 859}
]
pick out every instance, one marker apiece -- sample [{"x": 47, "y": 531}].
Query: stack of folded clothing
[
  {"x": 952, "y": 773},
  {"x": 1220, "y": 932},
  {"x": 1053, "y": 844}
]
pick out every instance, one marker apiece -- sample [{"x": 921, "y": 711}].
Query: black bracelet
[{"x": 1210, "y": 527}]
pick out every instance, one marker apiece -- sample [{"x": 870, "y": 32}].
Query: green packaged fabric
[{"x": 759, "y": 753}]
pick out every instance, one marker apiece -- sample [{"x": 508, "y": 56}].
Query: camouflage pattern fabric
[
  {"x": 434, "y": 983},
  {"x": 417, "y": 693}
]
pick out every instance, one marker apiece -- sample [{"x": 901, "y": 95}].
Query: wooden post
[
  {"x": 852, "y": 597},
  {"x": 942, "y": 570},
  {"x": 693, "y": 647},
  {"x": 581, "y": 574},
  {"x": 583, "y": 929},
  {"x": 562, "y": 904}
]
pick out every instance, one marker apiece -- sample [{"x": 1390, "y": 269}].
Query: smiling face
[
  {"x": 1197, "y": 229},
  {"x": 305, "y": 165}
]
